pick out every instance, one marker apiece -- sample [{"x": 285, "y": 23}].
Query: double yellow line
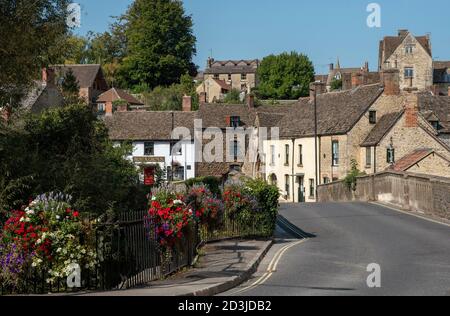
[{"x": 272, "y": 267}]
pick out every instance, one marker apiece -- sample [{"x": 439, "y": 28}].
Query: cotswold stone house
[
  {"x": 239, "y": 74},
  {"x": 375, "y": 126}
]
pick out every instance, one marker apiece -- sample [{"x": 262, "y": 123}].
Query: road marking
[
  {"x": 411, "y": 214},
  {"x": 271, "y": 269}
]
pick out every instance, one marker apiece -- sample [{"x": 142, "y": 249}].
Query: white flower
[
  {"x": 190, "y": 212},
  {"x": 83, "y": 251},
  {"x": 39, "y": 241},
  {"x": 34, "y": 264},
  {"x": 177, "y": 202},
  {"x": 22, "y": 219},
  {"x": 58, "y": 250},
  {"x": 154, "y": 198},
  {"x": 58, "y": 217}
]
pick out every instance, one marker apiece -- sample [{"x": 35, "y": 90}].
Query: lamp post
[{"x": 315, "y": 139}]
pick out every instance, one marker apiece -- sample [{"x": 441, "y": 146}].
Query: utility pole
[{"x": 315, "y": 141}]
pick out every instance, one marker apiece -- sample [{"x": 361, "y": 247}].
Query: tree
[
  {"x": 70, "y": 88},
  {"x": 31, "y": 33},
  {"x": 336, "y": 84},
  {"x": 76, "y": 50},
  {"x": 285, "y": 76},
  {"x": 67, "y": 150},
  {"x": 160, "y": 44},
  {"x": 233, "y": 97}
]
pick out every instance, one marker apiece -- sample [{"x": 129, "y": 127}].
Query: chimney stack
[
  {"x": 366, "y": 66},
  {"x": 402, "y": 33},
  {"x": 48, "y": 75},
  {"x": 250, "y": 101},
  {"x": 187, "y": 103},
  {"x": 316, "y": 88},
  {"x": 412, "y": 110},
  {"x": 391, "y": 81},
  {"x": 357, "y": 79},
  {"x": 202, "y": 98}
]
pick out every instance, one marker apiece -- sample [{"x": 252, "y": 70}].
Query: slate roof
[
  {"x": 337, "y": 112},
  {"x": 118, "y": 94},
  {"x": 439, "y": 105},
  {"x": 383, "y": 126},
  {"x": 215, "y": 115},
  {"x": 85, "y": 74},
  {"x": 222, "y": 84},
  {"x": 147, "y": 125},
  {"x": 411, "y": 159},
  {"x": 233, "y": 67}
]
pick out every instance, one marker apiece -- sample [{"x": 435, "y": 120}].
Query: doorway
[{"x": 301, "y": 189}]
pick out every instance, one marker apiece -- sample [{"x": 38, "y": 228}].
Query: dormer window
[
  {"x": 435, "y": 124},
  {"x": 235, "y": 121}
]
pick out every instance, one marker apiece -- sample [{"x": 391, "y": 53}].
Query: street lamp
[{"x": 315, "y": 84}]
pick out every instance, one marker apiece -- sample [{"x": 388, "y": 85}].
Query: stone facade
[
  {"x": 434, "y": 165},
  {"x": 410, "y": 54},
  {"x": 416, "y": 193}
]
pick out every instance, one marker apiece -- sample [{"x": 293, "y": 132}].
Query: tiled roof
[
  {"x": 222, "y": 84},
  {"x": 215, "y": 115},
  {"x": 390, "y": 43},
  {"x": 337, "y": 112},
  {"x": 411, "y": 159},
  {"x": 439, "y": 105},
  {"x": 383, "y": 126},
  {"x": 117, "y": 94},
  {"x": 85, "y": 74},
  {"x": 233, "y": 67},
  {"x": 146, "y": 125}
]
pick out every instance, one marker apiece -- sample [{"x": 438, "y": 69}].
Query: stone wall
[{"x": 416, "y": 193}]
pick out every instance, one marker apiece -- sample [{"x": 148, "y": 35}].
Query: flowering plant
[
  {"x": 12, "y": 263},
  {"x": 238, "y": 202},
  {"x": 207, "y": 210},
  {"x": 52, "y": 234},
  {"x": 170, "y": 216}
]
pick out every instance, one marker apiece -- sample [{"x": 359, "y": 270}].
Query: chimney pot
[{"x": 187, "y": 103}]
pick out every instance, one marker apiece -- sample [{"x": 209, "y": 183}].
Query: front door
[{"x": 301, "y": 190}]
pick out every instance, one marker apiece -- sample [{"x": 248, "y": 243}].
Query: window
[
  {"x": 300, "y": 155},
  {"x": 229, "y": 77},
  {"x": 373, "y": 117},
  {"x": 390, "y": 155},
  {"x": 335, "y": 153},
  {"x": 101, "y": 107},
  {"x": 409, "y": 49},
  {"x": 409, "y": 72},
  {"x": 235, "y": 150},
  {"x": 272, "y": 155},
  {"x": 176, "y": 149},
  {"x": 312, "y": 189},
  {"x": 368, "y": 156},
  {"x": 149, "y": 149},
  {"x": 235, "y": 121},
  {"x": 216, "y": 76},
  {"x": 176, "y": 175},
  {"x": 326, "y": 180},
  {"x": 286, "y": 155},
  {"x": 287, "y": 187},
  {"x": 435, "y": 124},
  {"x": 243, "y": 76}
]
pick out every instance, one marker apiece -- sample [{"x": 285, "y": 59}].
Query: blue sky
[{"x": 247, "y": 29}]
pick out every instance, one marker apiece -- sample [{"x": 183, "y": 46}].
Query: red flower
[{"x": 76, "y": 214}]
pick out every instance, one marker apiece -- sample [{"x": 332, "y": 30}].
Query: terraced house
[{"x": 374, "y": 126}]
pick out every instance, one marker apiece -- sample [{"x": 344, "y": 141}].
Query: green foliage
[
  {"x": 213, "y": 183},
  {"x": 285, "y": 76},
  {"x": 169, "y": 98},
  {"x": 336, "y": 84},
  {"x": 233, "y": 97},
  {"x": 70, "y": 87},
  {"x": 267, "y": 196},
  {"x": 68, "y": 150},
  {"x": 351, "y": 178},
  {"x": 160, "y": 43},
  {"x": 31, "y": 34}
]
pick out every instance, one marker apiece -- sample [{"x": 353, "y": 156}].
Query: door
[{"x": 301, "y": 190}]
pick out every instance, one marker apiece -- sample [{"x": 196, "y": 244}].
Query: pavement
[
  {"x": 224, "y": 265},
  {"x": 336, "y": 243}
]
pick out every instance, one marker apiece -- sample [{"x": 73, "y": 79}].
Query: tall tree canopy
[
  {"x": 285, "y": 76},
  {"x": 31, "y": 34},
  {"x": 160, "y": 43}
]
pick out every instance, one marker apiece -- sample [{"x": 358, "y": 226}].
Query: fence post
[{"x": 406, "y": 204}]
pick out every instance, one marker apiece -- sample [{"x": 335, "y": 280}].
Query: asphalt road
[{"x": 413, "y": 253}]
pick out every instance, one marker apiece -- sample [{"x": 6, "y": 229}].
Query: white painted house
[{"x": 153, "y": 143}]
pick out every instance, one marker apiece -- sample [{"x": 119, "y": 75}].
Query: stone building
[
  {"x": 412, "y": 56},
  {"x": 90, "y": 77},
  {"x": 239, "y": 74},
  {"x": 213, "y": 90},
  {"x": 105, "y": 101}
]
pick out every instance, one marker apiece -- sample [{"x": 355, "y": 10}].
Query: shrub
[
  {"x": 267, "y": 196},
  {"x": 212, "y": 183},
  {"x": 208, "y": 211}
]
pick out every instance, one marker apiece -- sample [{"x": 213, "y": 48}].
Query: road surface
[{"x": 413, "y": 254}]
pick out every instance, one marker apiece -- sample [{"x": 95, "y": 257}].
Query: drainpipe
[{"x": 293, "y": 170}]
